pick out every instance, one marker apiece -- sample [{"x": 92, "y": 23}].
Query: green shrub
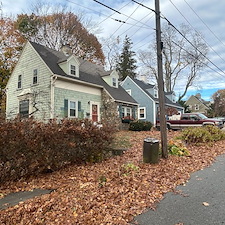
[
  {"x": 29, "y": 147},
  {"x": 202, "y": 134},
  {"x": 177, "y": 147},
  {"x": 140, "y": 125}
]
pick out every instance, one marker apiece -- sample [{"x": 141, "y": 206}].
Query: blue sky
[{"x": 206, "y": 16}]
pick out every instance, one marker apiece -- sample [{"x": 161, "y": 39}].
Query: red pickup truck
[{"x": 191, "y": 120}]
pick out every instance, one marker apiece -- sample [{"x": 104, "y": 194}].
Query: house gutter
[
  {"x": 78, "y": 81},
  {"x": 52, "y": 96}
]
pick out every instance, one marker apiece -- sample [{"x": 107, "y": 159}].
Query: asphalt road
[{"x": 201, "y": 202}]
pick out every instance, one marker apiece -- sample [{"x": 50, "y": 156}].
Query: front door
[{"x": 94, "y": 110}]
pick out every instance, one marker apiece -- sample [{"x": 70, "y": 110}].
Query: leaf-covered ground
[{"x": 111, "y": 192}]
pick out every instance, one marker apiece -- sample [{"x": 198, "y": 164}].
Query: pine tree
[{"x": 126, "y": 63}]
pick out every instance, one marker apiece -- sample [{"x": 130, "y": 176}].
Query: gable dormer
[
  {"x": 171, "y": 96},
  {"x": 111, "y": 78},
  {"x": 70, "y": 66},
  {"x": 153, "y": 91}
]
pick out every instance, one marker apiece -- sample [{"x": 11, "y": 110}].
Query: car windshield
[{"x": 202, "y": 116}]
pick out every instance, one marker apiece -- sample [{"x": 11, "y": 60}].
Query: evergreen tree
[{"x": 126, "y": 63}]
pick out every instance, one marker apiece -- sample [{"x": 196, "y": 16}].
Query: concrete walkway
[
  {"x": 21, "y": 196},
  {"x": 201, "y": 202}
]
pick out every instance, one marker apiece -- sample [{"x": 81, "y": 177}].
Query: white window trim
[
  {"x": 139, "y": 109},
  {"x": 21, "y": 83},
  {"x": 116, "y": 82},
  {"x": 156, "y": 94},
  {"x": 33, "y": 77},
  {"x": 196, "y": 106},
  {"x": 76, "y": 105},
  {"x": 125, "y": 111},
  {"x": 70, "y": 65}
]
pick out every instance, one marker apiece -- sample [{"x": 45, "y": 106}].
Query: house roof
[
  {"x": 145, "y": 86},
  {"x": 89, "y": 72}
]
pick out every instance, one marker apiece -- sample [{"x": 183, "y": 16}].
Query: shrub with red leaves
[{"x": 29, "y": 147}]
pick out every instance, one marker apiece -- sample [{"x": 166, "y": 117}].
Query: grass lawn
[{"x": 110, "y": 192}]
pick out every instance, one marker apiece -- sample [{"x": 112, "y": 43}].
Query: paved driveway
[{"x": 201, "y": 202}]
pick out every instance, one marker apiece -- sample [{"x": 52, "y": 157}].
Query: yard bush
[
  {"x": 29, "y": 147},
  {"x": 202, "y": 134},
  {"x": 140, "y": 125}
]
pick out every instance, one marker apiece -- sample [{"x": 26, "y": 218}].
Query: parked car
[
  {"x": 220, "y": 118},
  {"x": 191, "y": 120}
]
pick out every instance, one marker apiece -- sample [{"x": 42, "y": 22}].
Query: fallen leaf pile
[{"x": 108, "y": 192}]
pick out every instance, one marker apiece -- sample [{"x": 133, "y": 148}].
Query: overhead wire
[
  {"x": 163, "y": 17},
  {"x": 204, "y": 23},
  {"x": 196, "y": 30}
]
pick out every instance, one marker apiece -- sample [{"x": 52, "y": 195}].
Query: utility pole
[{"x": 162, "y": 117}]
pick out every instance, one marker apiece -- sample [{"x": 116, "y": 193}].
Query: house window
[
  {"x": 129, "y": 91},
  {"x": 72, "y": 70},
  {"x": 19, "y": 85},
  {"x": 114, "y": 82},
  {"x": 35, "y": 76},
  {"x": 72, "y": 109},
  {"x": 128, "y": 112},
  {"x": 174, "y": 98},
  {"x": 123, "y": 112},
  {"x": 155, "y": 92},
  {"x": 142, "y": 113},
  {"x": 196, "y": 107},
  {"x": 24, "y": 108}
]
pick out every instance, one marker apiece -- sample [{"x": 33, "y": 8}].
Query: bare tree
[
  {"x": 111, "y": 48},
  {"x": 182, "y": 59}
]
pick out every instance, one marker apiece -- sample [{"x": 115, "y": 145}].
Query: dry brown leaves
[{"x": 103, "y": 193}]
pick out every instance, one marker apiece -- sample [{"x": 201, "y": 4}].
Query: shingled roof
[
  {"x": 88, "y": 72},
  {"x": 144, "y": 86}
]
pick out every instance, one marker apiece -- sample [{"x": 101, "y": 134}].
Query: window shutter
[
  {"x": 79, "y": 106},
  {"x": 120, "y": 111},
  {"x": 65, "y": 107}
]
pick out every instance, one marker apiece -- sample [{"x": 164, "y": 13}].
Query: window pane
[
  {"x": 72, "y": 109},
  {"x": 72, "y": 70},
  {"x": 20, "y": 81},
  {"x": 72, "y": 112},
  {"x": 24, "y": 108},
  {"x": 72, "y": 105}
]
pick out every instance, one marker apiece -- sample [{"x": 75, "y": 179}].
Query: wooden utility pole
[{"x": 160, "y": 82}]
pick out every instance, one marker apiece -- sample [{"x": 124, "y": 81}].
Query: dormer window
[
  {"x": 156, "y": 92},
  {"x": 73, "y": 70},
  {"x": 35, "y": 76},
  {"x": 19, "y": 84},
  {"x": 114, "y": 82}
]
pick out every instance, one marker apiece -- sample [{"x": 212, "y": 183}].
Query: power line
[
  {"x": 192, "y": 44},
  {"x": 185, "y": 38},
  {"x": 196, "y": 31},
  {"x": 205, "y": 24},
  {"x": 143, "y": 5},
  {"x": 122, "y": 13},
  {"x": 107, "y": 6},
  {"x": 194, "y": 56}
]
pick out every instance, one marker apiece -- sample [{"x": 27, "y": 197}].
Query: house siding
[
  {"x": 29, "y": 61},
  {"x": 193, "y": 101},
  {"x": 85, "y": 99},
  {"x": 142, "y": 98}
]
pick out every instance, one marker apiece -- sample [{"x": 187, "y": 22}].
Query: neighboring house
[
  {"x": 147, "y": 97},
  {"x": 195, "y": 103},
  {"x": 48, "y": 84}
]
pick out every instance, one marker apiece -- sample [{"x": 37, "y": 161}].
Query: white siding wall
[{"x": 29, "y": 61}]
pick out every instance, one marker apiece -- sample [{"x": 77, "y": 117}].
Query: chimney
[{"x": 66, "y": 49}]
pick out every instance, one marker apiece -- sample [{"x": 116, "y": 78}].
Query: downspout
[{"x": 52, "y": 97}]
